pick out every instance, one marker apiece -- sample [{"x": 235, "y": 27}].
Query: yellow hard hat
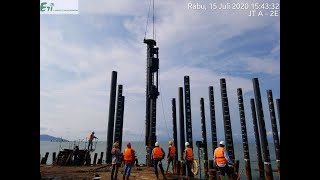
[
  {"x": 170, "y": 142},
  {"x": 115, "y": 144}
]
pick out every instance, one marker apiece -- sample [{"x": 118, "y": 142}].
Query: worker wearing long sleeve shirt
[{"x": 222, "y": 160}]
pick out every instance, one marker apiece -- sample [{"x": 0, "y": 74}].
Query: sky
[{"x": 79, "y": 52}]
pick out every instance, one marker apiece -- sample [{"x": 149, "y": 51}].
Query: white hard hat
[
  {"x": 222, "y": 143},
  {"x": 187, "y": 144},
  {"x": 156, "y": 144}
]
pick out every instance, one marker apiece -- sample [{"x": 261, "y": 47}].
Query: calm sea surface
[{"x": 100, "y": 146}]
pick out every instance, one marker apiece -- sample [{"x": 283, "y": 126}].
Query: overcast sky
[{"x": 79, "y": 52}]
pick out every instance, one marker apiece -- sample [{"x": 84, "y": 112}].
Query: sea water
[{"x": 100, "y": 146}]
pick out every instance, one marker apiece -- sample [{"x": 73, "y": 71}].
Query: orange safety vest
[
  {"x": 172, "y": 150},
  {"x": 189, "y": 155},
  {"x": 219, "y": 153},
  {"x": 157, "y": 153},
  {"x": 128, "y": 154}
]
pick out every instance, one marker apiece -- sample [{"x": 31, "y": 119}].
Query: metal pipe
[
  {"x": 153, "y": 123},
  {"x": 183, "y": 168},
  {"x": 100, "y": 159},
  {"x": 204, "y": 138},
  {"x": 181, "y": 122},
  {"x": 117, "y": 130},
  {"x": 257, "y": 138},
  {"x": 188, "y": 110},
  {"x": 274, "y": 124},
  {"x": 213, "y": 119},
  {"x": 244, "y": 135},
  {"x": 278, "y": 108},
  {"x": 45, "y": 158},
  {"x": 121, "y": 121},
  {"x": 53, "y": 157},
  {"x": 212, "y": 175},
  {"x": 111, "y": 115},
  {"x": 274, "y": 127},
  {"x": 147, "y": 121},
  {"x": 226, "y": 119},
  {"x": 178, "y": 165},
  {"x": 174, "y": 124},
  {"x": 262, "y": 129},
  {"x": 95, "y": 158}
]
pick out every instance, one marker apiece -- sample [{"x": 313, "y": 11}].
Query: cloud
[
  {"x": 115, "y": 8},
  {"x": 255, "y": 65}
]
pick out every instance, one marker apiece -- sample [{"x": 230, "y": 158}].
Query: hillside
[{"x": 45, "y": 137}]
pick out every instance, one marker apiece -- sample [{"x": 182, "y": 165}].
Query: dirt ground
[{"x": 103, "y": 171}]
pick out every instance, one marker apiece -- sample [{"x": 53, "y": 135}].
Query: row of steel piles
[
  {"x": 65, "y": 158},
  {"x": 265, "y": 170},
  {"x": 115, "y": 123}
]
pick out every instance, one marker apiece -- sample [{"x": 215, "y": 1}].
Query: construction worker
[
  {"x": 188, "y": 157},
  {"x": 116, "y": 160},
  {"x": 171, "y": 156},
  {"x": 222, "y": 160},
  {"x": 90, "y": 139},
  {"x": 157, "y": 155},
  {"x": 129, "y": 160}
]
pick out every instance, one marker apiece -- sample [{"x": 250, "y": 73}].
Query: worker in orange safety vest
[
  {"x": 157, "y": 155},
  {"x": 129, "y": 160},
  {"x": 171, "y": 156},
  {"x": 223, "y": 161},
  {"x": 188, "y": 157}
]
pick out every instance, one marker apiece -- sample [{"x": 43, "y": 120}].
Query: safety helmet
[
  {"x": 222, "y": 143},
  {"x": 156, "y": 144},
  {"x": 187, "y": 144},
  {"x": 170, "y": 142}
]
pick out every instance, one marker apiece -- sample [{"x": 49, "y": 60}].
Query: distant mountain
[{"x": 45, "y": 137}]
